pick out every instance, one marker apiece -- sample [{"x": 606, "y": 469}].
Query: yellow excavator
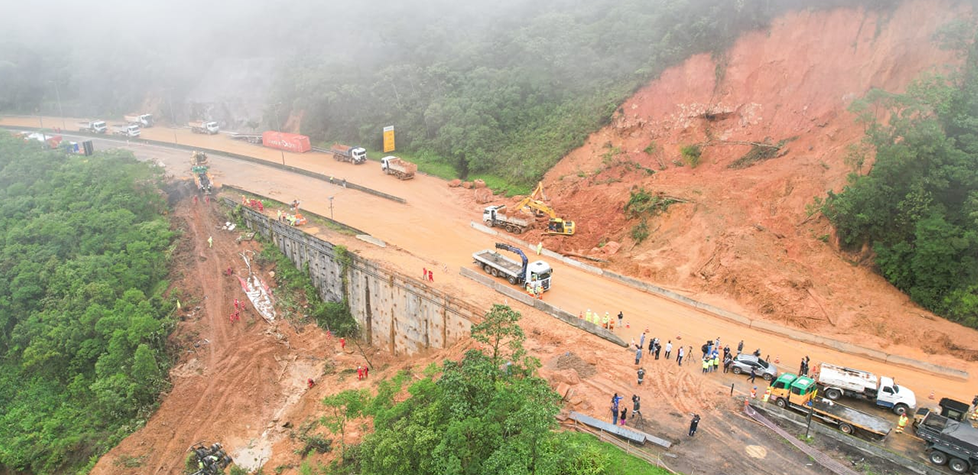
[{"x": 534, "y": 204}]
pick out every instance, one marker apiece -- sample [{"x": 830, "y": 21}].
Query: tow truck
[{"x": 800, "y": 393}]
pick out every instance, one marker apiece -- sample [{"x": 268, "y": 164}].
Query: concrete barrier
[
  {"x": 372, "y": 240},
  {"x": 554, "y": 311}
]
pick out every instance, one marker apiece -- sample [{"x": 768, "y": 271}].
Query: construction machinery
[
  {"x": 211, "y": 460},
  {"x": 493, "y": 217},
  {"x": 202, "y": 178},
  {"x": 950, "y": 442},
  {"x": 346, "y": 153},
  {"x": 534, "y": 204},
  {"x": 402, "y": 169},
  {"x": 142, "y": 120},
  {"x": 198, "y": 158},
  {"x": 799, "y": 393},
  {"x": 126, "y": 130},
  {"x": 535, "y": 274},
  {"x": 93, "y": 126},
  {"x": 204, "y": 127}
]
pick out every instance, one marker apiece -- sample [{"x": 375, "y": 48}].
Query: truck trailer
[
  {"x": 800, "y": 394},
  {"x": 948, "y": 441},
  {"x": 403, "y": 170},
  {"x": 346, "y": 153},
  {"x": 535, "y": 274},
  {"x": 203, "y": 127},
  {"x": 837, "y": 381}
]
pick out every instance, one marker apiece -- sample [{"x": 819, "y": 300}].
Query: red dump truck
[{"x": 286, "y": 141}]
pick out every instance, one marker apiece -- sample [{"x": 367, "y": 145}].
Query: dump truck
[
  {"x": 346, "y": 153},
  {"x": 142, "y": 120},
  {"x": 126, "y": 130},
  {"x": 837, "y": 381},
  {"x": 202, "y": 178},
  {"x": 493, "y": 217},
  {"x": 403, "y": 170},
  {"x": 800, "y": 394},
  {"x": 94, "y": 126},
  {"x": 204, "y": 127},
  {"x": 948, "y": 441},
  {"x": 535, "y": 274},
  {"x": 251, "y": 138}
]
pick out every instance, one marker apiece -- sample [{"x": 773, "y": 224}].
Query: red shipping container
[{"x": 286, "y": 141}]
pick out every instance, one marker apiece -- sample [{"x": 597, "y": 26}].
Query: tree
[{"x": 343, "y": 408}]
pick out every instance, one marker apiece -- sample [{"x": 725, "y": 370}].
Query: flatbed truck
[
  {"x": 535, "y": 274},
  {"x": 799, "y": 393}
]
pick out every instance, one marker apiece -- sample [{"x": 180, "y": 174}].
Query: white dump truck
[
  {"x": 202, "y": 127},
  {"x": 535, "y": 274},
  {"x": 403, "y": 170},
  {"x": 129, "y": 130},
  {"x": 493, "y": 217},
  {"x": 346, "y": 153},
  {"x": 838, "y": 381},
  {"x": 142, "y": 120},
  {"x": 93, "y": 126}
]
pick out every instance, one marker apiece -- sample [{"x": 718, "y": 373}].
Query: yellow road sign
[{"x": 389, "y": 138}]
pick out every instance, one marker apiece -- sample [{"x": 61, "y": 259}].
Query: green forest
[
  {"x": 84, "y": 244},
  {"x": 488, "y": 413},
  {"x": 917, "y": 207}
]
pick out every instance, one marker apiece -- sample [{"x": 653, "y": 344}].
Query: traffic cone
[
  {"x": 746, "y": 402},
  {"x": 767, "y": 394},
  {"x": 777, "y": 360},
  {"x": 931, "y": 394}
]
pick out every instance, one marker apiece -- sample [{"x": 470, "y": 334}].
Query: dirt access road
[{"x": 417, "y": 231}]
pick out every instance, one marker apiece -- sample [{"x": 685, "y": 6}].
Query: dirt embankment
[{"x": 746, "y": 233}]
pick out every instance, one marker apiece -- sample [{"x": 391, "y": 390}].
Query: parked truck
[
  {"x": 837, "y": 381},
  {"x": 800, "y": 394},
  {"x": 94, "y": 126},
  {"x": 346, "y": 153},
  {"x": 403, "y": 170},
  {"x": 535, "y": 274},
  {"x": 126, "y": 130},
  {"x": 948, "y": 441},
  {"x": 203, "y": 127},
  {"x": 493, "y": 217},
  {"x": 142, "y": 120}
]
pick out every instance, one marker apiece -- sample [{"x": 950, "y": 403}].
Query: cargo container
[{"x": 286, "y": 141}]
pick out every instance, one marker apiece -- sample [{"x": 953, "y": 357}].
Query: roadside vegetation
[
  {"x": 83, "y": 323},
  {"x": 487, "y": 413},
  {"x": 916, "y": 208}
]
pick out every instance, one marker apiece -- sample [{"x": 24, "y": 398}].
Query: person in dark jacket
[{"x": 693, "y": 424}]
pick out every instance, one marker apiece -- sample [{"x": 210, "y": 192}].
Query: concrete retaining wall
[
  {"x": 740, "y": 319},
  {"x": 393, "y": 311}
]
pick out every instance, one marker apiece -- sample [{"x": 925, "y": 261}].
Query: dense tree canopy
[
  {"x": 83, "y": 254},
  {"x": 918, "y": 205}
]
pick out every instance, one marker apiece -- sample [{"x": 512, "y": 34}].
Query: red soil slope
[{"x": 745, "y": 233}]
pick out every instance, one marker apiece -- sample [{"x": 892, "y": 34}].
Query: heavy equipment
[
  {"x": 493, "y": 217},
  {"x": 837, "y": 381},
  {"x": 126, "y": 130},
  {"x": 202, "y": 178},
  {"x": 94, "y": 126},
  {"x": 346, "y": 153},
  {"x": 142, "y": 120},
  {"x": 800, "y": 393},
  {"x": 211, "y": 460},
  {"x": 402, "y": 169},
  {"x": 535, "y": 274},
  {"x": 534, "y": 204},
  {"x": 948, "y": 441},
  {"x": 198, "y": 158},
  {"x": 204, "y": 127}
]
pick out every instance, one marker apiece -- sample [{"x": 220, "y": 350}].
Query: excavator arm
[{"x": 502, "y": 245}]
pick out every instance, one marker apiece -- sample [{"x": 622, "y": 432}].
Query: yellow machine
[{"x": 540, "y": 209}]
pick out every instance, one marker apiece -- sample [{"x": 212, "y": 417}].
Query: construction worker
[
  {"x": 641, "y": 375},
  {"x": 210, "y": 241},
  {"x": 753, "y": 393},
  {"x": 706, "y": 365},
  {"x": 587, "y": 316},
  {"x": 901, "y": 423},
  {"x": 604, "y": 321}
]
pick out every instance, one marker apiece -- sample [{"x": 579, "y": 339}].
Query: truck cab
[
  {"x": 892, "y": 396},
  {"x": 538, "y": 273},
  {"x": 212, "y": 127},
  {"x": 131, "y": 130}
]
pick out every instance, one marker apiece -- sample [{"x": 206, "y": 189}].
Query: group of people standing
[
  {"x": 607, "y": 321},
  {"x": 619, "y": 413}
]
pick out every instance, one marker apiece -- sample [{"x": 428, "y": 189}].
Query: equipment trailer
[{"x": 798, "y": 393}]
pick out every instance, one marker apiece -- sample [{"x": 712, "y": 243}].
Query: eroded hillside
[{"x": 743, "y": 228}]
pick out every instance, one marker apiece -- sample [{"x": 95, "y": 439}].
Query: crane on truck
[
  {"x": 838, "y": 381},
  {"x": 799, "y": 393},
  {"x": 535, "y": 274}
]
